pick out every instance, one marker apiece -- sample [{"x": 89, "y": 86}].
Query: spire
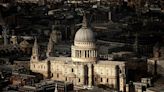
[
  {"x": 56, "y": 88},
  {"x": 50, "y": 44},
  {"x": 35, "y": 47},
  {"x": 35, "y": 43},
  {"x": 35, "y": 51},
  {"x": 84, "y": 22},
  {"x": 49, "y": 47}
]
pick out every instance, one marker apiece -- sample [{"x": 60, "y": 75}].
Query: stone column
[
  {"x": 91, "y": 53},
  {"x": 90, "y": 75},
  {"x": 122, "y": 80},
  {"x": 82, "y": 53},
  {"x": 78, "y": 54},
  {"x": 73, "y": 53},
  {"x": 82, "y": 74}
]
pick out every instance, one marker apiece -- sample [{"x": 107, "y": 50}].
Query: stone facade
[
  {"x": 83, "y": 67},
  {"x": 110, "y": 73}
]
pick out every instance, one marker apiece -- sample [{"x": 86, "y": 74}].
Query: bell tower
[
  {"x": 49, "y": 48},
  {"x": 35, "y": 51}
]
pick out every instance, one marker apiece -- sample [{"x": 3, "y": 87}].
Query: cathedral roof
[{"x": 107, "y": 62}]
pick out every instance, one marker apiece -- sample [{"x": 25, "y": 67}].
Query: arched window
[
  {"x": 66, "y": 79},
  {"x": 57, "y": 75},
  {"x": 79, "y": 79},
  {"x": 107, "y": 80},
  {"x": 72, "y": 69},
  {"x": 101, "y": 80}
]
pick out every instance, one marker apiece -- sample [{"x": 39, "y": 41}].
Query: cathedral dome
[
  {"x": 84, "y": 36},
  {"x": 84, "y": 48}
]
